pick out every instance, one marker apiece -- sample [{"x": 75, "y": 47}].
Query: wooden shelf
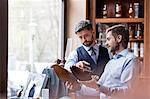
[
  {"x": 136, "y": 40},
  {"x": 131, "y": 40},
  {"x": 119, "y": 20}
]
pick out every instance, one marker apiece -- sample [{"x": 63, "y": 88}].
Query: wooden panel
[
  {"x": 3, "y": 47},
  {"x": 147, "y": 38}
]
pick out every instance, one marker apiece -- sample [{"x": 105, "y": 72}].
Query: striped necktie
[{"x": 93, "y": 54}]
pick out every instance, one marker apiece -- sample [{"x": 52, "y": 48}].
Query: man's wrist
[
  {"x": 98, "y": 87},
  {"x": 107, "y": 90}
]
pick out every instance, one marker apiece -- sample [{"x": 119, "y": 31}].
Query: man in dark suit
[{"x": 89, "y": 55}]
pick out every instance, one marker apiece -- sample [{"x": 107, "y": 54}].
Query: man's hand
[
  {"x": 96, "y": 77},
  {"x": 91, "y": 83},
  {"x": 73, "y": 87},
  {"x": 83, "y": 65}
]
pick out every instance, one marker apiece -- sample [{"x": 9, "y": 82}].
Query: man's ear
[{"x": 119, "y": 38}]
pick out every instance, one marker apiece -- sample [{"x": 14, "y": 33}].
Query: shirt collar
[
  {"x": 96, "y": 47},
  {"x": 123, "y": 53}
]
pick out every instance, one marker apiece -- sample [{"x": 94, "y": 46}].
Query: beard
[
  {"x": 114, "y": 48},
  {"x": 89, "y": 43}
]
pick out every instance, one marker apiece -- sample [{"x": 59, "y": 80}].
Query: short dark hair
[
  {"x": 84, "y": 24},
  {"x": 120, "y": 30}
]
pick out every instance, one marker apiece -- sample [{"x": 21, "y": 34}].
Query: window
[
  {"x": 34, "y": 27},
  {"x": 35, "y": 34}
]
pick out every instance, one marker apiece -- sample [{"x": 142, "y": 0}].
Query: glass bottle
[
  {"x": 105, "y": 11},
  {"x": 138, "y": 32},
  {"x": 141, "y": 49},
  {"x": 130, "y": 32},
  {"x": 136, "y": 10},
  {"x": 118, "y": 10},
  {"x": 136, "y": 49},
  {"x": 130, "y": 11}
]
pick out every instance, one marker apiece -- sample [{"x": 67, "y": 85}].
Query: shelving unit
[
  {"x": 96, "y": 8},
  {"x": 92, "y": 13}
]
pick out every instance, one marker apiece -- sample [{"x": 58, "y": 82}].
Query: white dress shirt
[{"x": 73, "y": 56}]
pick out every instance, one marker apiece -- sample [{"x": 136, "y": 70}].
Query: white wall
[{"x": 76, "y": 11}]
